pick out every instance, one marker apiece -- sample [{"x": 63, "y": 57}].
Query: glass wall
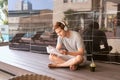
[{"x": 32, "y": 30}]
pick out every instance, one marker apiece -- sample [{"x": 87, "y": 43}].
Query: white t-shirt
[{"x": 73, "y": 43}]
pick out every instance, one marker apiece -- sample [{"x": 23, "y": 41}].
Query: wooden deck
[
  {"x": 4, "y": 76},
  {"x": 21, "y": 62}
]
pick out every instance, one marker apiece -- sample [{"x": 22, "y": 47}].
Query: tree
[
  {"x": 70, "y": 17},
  {"x": 4, "y": 11},
  {"x": 74, "y": 18}
]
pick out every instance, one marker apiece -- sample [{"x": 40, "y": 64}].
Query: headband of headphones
[{"x": 65, "y": 28}]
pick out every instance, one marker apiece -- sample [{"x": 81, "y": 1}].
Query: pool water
[
  {"x": 8, "y": 37},
  {"x": 5, "y": 37}
]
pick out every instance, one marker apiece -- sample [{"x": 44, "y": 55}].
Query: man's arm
[
  {"x": 104, "y": 40},
  {"x": 79, "y": 52},
  {"x": 58, "y": 46}
]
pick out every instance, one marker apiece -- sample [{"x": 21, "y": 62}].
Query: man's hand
[{"x": 64, "y": 52}]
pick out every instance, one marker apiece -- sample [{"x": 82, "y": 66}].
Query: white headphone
[{"x": 65, "y": 28}]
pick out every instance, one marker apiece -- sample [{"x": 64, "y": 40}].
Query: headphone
[{"x": 65, "y": 28}]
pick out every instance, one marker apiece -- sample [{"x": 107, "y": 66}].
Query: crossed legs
[{"x": 60, "y": 62}]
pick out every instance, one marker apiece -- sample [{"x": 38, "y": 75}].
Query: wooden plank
[
  {"x": 4, "y": 76},
  {"x": 13, "y": 69}
]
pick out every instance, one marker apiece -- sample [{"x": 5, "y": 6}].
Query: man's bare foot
[
  {"x": 52, "y": 66},
  {"x": 55, "y": 59},
  {"x": 73, "y": 67}
]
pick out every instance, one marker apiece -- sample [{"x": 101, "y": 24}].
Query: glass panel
[
  {"x": 32, "y": 30},
  {"x": 41, "y": 26},
  {"x": 19, "y": 30}
]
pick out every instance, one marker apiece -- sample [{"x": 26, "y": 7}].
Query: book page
[{"x": 53, "y": 50}]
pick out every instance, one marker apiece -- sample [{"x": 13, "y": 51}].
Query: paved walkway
[{"x": 114, "y": 41}]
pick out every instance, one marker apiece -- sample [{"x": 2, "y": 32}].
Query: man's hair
[
  {"x": 59, "y": 24},
  {"x": 94, "y": 25}
]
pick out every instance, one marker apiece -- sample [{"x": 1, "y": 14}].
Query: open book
[{"x": 53, "y": 50}]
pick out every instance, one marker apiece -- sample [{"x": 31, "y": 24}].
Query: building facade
[
  {"x": 23, "y": 5},
  {"x": 60, "y": 6},
  {"x": 25, "y": 21},
  {"x": 102, "y": 10}
]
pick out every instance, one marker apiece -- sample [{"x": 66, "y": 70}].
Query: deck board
[
  {"x": 4, "y": 76},
  {"x": 37, "y": 63}
]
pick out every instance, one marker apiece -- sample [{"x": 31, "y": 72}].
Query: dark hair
[
  {"x": 94, "y": 25},
  {"x": 59, "y": 24}
]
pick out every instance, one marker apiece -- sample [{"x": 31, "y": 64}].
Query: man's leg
[
  {"x": 107, "y": 51},
  {"x": 70, "y": 63},
  {"x": 73, "y": 61},
  {"x": 56, "y": 59}
]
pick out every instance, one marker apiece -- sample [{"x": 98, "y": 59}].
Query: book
[{"x": 53, "y": 50}]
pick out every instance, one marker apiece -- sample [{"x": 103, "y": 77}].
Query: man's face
[{"x": 60, "y": 32}]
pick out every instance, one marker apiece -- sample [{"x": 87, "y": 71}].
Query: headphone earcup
[{"x": 65, "y": 28}]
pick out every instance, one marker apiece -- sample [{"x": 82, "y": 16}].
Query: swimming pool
[
  {"x": 8, "y": 37},
  {"x": 5, "y": 37}
]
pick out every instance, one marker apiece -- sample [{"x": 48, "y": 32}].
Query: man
[
  {"x": 74, "y": 53},
  {"x": 99, "y": 38}
]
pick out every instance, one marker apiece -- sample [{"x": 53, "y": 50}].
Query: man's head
[
  {"x": 94, "y": 25},
  {"x": 60, "y": 28}
]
